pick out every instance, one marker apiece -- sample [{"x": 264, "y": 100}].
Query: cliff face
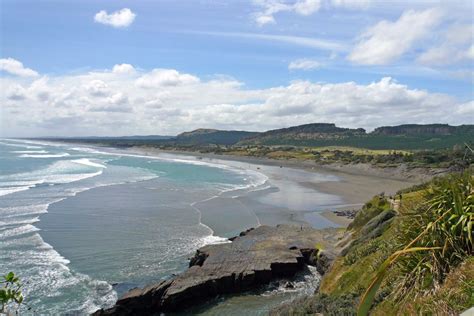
[
  {"x": 250, "y": 260},
  {"x": 416, "y": 129}
]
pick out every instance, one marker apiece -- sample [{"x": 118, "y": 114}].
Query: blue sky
[{"x": 262, "y": 45}]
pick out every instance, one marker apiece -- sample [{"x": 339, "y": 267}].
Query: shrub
[{"x": 10, "y": 292}]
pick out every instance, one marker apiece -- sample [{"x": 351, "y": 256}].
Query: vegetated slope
[
  {"x": 307, "y": 132},
  {"x": 435, "y": 276},
  {"x": 410, "y": 137},
  {"x": 212, "y": 137}
]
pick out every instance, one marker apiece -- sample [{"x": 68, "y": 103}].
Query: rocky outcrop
[{"x": 250, "y": 260}]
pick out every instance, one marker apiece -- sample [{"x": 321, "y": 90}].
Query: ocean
[{"x": 81, "y": 225}]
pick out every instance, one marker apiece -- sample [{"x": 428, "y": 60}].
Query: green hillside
[
  {"x": 403, "y": 137},
  {"x": 414, "y": 250}
]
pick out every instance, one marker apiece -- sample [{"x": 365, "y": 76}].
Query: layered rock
[{"x": 250, "y": 260}]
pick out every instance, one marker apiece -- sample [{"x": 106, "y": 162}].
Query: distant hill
[
  {"x": 133, "y": 137},
  {"x": 401, "y": 137},
  {"x": 212, "y": 136},
  {"x": 410, "y": 136},
  {"x": 307, "y": 132}
]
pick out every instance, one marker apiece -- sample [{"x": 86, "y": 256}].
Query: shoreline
[
  {"x": 354, "y": 186},
  {"x": 401, "y": 172}
]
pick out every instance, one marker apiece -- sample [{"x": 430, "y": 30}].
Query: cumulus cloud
[
  {"x": 15, "y": 67},
  {"x": 119, "y": 19},
  {"x": 165, "y": 77},
  {"x": 304, "y": 64},
  {"x": 165, "y": 101},
  {"x": 387, "y": 41},
  {"x": 97, "y": 88},
  {"x": 123, "y": 69}
]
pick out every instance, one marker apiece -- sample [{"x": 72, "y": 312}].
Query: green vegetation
[
  {"x": 371, "y": 209},
  {"x": 403, "y": 137},
  {"x": 10, "y": 292},
  {"x": 415, "y": 260},
  {"x": 318, "y": 135}
]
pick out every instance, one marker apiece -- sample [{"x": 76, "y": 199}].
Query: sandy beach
[{"x": 299, "y": 193}]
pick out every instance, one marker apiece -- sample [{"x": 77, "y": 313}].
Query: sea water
[{"x": 82, "y": 225}]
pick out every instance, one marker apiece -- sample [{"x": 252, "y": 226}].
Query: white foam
[
  {"x": 30, "y": 151},
  {"x": 88, "y": 162},
  {"x": 213, "y": 240},
  {"x": 10, "y": 190},
  {"x": 18, "y": 222},
  {"x": 44, "y": 156},
  {"x": 255, "y": 178},
  {"x": 16, "y": 231},
  {"x": 20, "y": 145},
  {"x": 86, "y": 149},
  {"x": 24, "y": 210}
]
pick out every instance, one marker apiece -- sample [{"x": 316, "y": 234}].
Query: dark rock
[
  {"x": 324, "y": 261},
  {"x": 198, "y": 258},
  {"x": 289, "y": 285},
  {"x": 252, "y": 259}
]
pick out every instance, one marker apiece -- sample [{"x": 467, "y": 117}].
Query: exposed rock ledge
[{"x": 250, "y": 260}]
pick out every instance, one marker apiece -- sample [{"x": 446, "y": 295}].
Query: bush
[
  {"x": 444, "y": 222},
  {"x": 10, "y": 292}
]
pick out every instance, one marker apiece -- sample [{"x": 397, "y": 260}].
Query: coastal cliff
[{"x": 246, "y": 262}]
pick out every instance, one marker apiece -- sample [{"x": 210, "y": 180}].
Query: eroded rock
[{"x": 252, "y": 259}]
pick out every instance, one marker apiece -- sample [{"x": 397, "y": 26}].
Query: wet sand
[{"x": 303, "y": 194}]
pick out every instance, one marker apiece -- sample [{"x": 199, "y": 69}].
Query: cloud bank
[{"x": 125, "y": 101}]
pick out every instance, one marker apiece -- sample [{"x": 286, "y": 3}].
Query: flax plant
[{"x": 437, "y": 235}]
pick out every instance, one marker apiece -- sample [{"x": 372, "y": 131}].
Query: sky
[{"x": 112, "y": 67}]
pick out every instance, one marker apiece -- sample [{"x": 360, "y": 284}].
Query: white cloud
[
  {"x": 470, "y": 52},
  {"x": 15, "y": 67},
  {"x": 165, "y": 101},
  {"x": 466, "y": 108},
  {"x": 294, "y": 40},
  {"x": 387, "y": 41},
  {"x": 118, "y": 19},
  {"x": 307, "y": 7},
  {"x": 265, "y": 19},
  {"x": 97, "y": 88},
  {"x": 165, "y": 77},
  {"x": 351, "y": 4},
  {"x": 272, "y": 7},
  {"x": 304, "y": 64},
  {"x": 123, "y": 69},
  {"x": 301, "y": 7},
  {"x": 455, "y": 46}
]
